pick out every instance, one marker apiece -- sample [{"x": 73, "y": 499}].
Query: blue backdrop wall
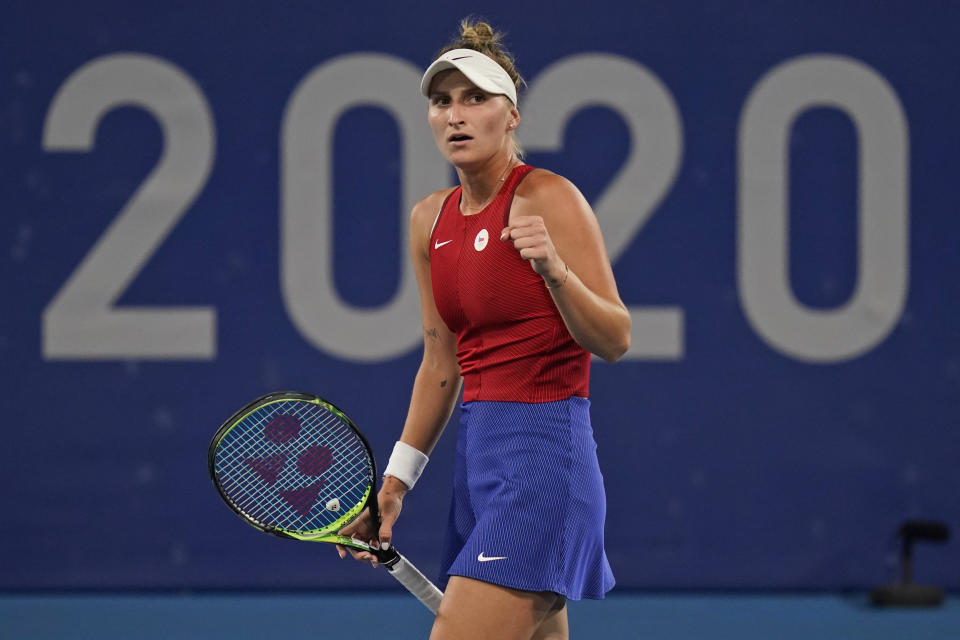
[{"x": 203, "y": 202}]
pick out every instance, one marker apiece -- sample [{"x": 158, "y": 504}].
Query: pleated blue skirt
[{"x": 528, "y": 502}]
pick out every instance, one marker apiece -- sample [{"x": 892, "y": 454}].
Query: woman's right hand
[{"x": 390, "y": 502}]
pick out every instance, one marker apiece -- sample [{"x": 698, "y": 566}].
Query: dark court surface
[{"x": 399, "y": 617}]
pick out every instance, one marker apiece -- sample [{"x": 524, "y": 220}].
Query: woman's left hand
[{"x": 530, "y": 237}]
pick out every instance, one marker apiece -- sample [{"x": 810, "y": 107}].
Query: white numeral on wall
[
  {"x": 81, "y": 322},
  {"x": 816, "y": 335}
]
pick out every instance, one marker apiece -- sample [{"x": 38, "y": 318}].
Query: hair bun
[
  {"x": 478, "y": 33},
  {"x": 480, "y": 36}
]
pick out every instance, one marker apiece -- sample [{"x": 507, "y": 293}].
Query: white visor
[{"x": 480, "y": 69}]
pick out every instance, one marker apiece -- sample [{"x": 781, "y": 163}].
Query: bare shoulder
[
  {"x": 551, "y": 196},
  {"x": 426, "y": 209},
  {"x": 541, "y": 183},
  {"x": 422, "y": 216}
]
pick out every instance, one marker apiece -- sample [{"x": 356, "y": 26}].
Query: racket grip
[{"x": 416, "y": 583}]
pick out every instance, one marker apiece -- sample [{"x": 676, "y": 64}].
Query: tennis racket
[{"x": 295, "y": 466}]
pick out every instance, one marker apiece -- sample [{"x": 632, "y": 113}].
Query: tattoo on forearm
[
  {"x": 431, "y": 333},
  {"x": 443, "y": 383}
]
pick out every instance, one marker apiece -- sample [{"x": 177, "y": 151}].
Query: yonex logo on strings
[{"x": 313, "y": 461}]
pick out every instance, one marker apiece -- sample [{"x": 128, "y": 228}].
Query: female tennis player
[{"x": 516, "y": 292}]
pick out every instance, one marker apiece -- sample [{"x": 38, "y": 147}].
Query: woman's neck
[{"x": 482, "y": 184}]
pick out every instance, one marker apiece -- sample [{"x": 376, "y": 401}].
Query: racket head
[{"x": 294, "y": 465}]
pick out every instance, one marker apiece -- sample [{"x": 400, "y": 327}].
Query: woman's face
[{"x": 469, "y": 125}]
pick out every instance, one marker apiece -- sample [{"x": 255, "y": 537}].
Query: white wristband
[{"x": 406, "y": 464}]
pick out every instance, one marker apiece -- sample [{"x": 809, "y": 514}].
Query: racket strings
[
  {"x": 291, "y": 505},
  {"x": 283, "y": 475},
  {"x": 351, "y": 473},
  {"x": 328, "y": 422}
]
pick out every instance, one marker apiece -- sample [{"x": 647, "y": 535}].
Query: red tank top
[{"x": 512, "y": 344}]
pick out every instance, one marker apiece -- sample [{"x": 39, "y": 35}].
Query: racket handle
[{"x": 416, "y": 583}]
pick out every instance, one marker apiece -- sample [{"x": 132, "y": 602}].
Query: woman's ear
[{"x": 514, "y": 119}]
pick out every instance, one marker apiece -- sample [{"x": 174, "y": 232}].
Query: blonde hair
[{"x": 480, "y": 36}]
